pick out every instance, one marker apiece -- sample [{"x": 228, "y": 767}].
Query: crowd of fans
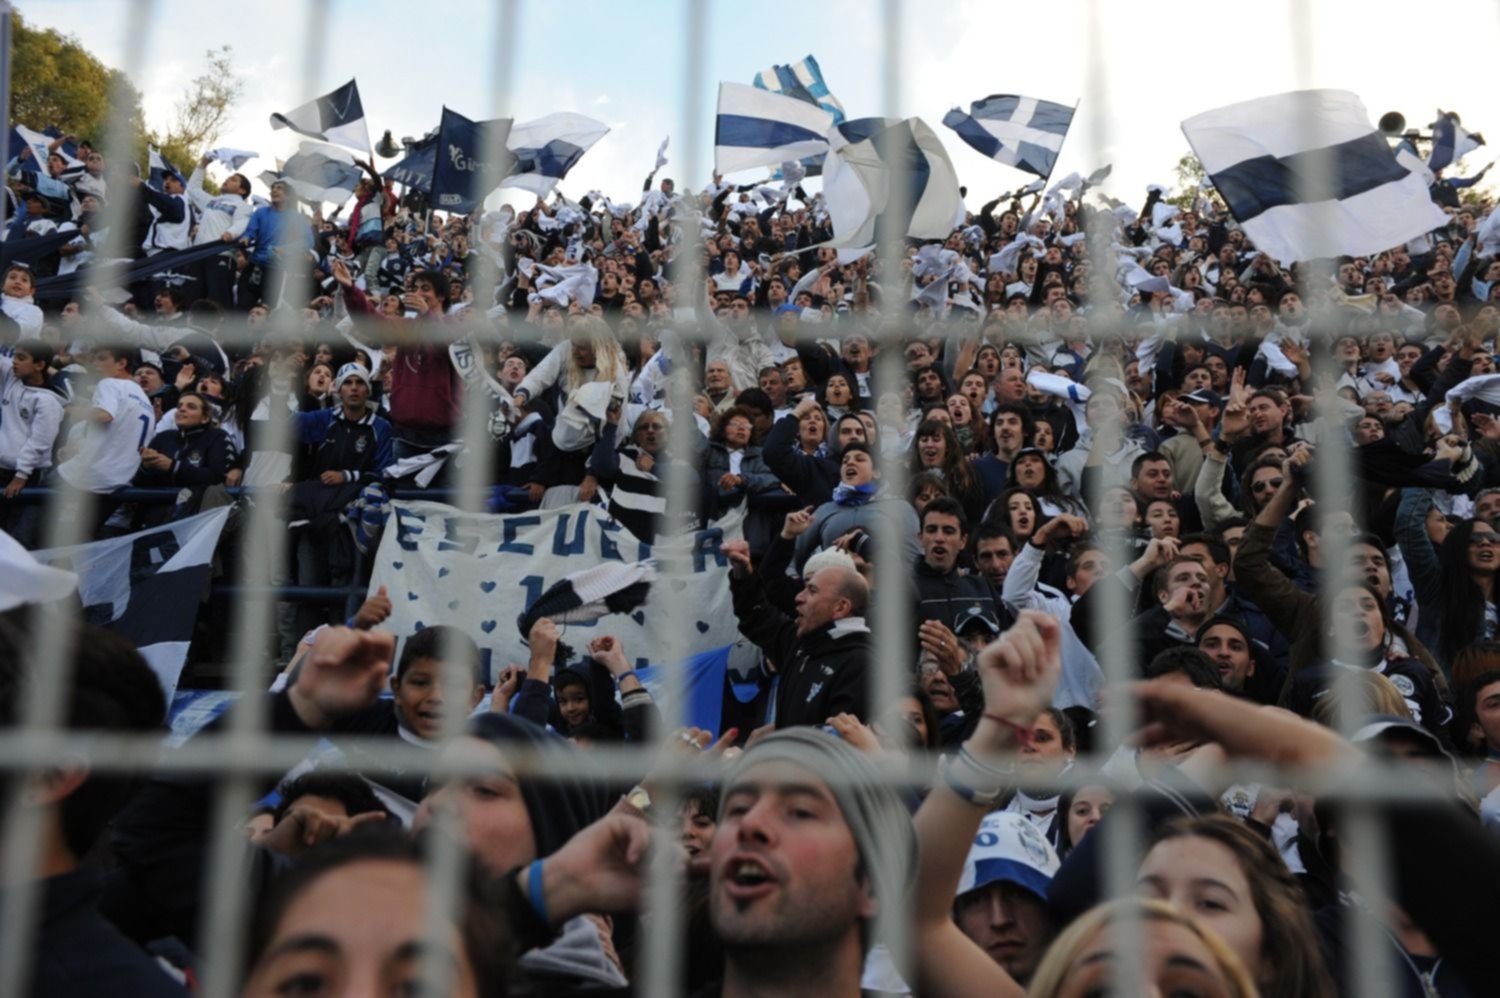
[{"x": 1097, "y": 403}]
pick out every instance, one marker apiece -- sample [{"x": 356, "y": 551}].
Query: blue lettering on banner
[
  {"x": 607, "y": 547},
  {"x": 561, "y": 546},
  {"x": 985, "y": 840},
  {"x": 513, "y": 525},
  {"x": 533, "y": 584},
  {"x": 408, "y": 526},
  {"x": 455, "y": 541},
  {"x": 706, "y": 543}
]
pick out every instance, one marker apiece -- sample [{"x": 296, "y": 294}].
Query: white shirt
[{"x": 110, "y": 453}]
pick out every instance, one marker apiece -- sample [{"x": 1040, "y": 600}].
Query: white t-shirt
[{"x": 111, "y": 453}]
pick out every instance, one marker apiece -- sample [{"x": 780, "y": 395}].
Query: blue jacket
[
  {"x": 265, "y": 232},
  {"x": 361, "y": 450}
]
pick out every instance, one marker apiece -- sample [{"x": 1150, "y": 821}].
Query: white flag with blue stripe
[
  {"x": 1022, "y": 132},
  {"x": 547, "y": 148},
  {"x": 904, "y": 168},
  {"x": 759, "y": 128},
  {"x": 1263, "y": 154},
  {"x": 804, "y": 81},
  {"x": 1450, "y": 142}
]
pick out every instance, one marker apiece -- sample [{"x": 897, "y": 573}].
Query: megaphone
[
  {"x": 1391, "y": 123},
  {"x": 387, "y": 147}
]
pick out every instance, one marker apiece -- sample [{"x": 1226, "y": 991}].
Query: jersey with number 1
[{"x": 111, "y": 452}]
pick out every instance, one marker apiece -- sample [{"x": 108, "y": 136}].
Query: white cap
[
  {"x": 351, "y": 370},
  {"x": 1009, "y": 848}
]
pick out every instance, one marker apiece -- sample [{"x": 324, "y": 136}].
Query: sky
[{"x": 1136, "y": 69}]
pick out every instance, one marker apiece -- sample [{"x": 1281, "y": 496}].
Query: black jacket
[
  {"x": 812, "y": 477},
  {"x": 822, "y": 673},
  {"x": 80, "y": 955},
  {"x": 947, "y": 597},
  {"x": 200, "y": 456}
]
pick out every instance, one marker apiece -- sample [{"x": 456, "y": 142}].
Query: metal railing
[{"x": 243, "y": 754}]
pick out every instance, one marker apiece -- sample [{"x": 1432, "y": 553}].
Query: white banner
[{"x": 479, "y": 572}]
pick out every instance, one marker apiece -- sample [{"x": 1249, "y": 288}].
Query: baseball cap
[
  {"x": 975, "y": 616},
  {"x": 351, "y": 370},
  {"x": 1205, "y": 396},
  {"x": 1009, "y": 848}
]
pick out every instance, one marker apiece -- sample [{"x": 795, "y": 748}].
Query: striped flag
[
  {"x": 547, "y": 148},
  {"x": 1022, "y": 132},
  {"x": 318, "y": 172},
  {"x": 161, "y": 168},
  {"x": 804, "y": 81},
  {"x": 906, "y": 157},
  {"x": 1450, "y": 142},
  {"x": 146, "y": 586},
  {"x": 1261, "y": 154},
  {"x": 336, "y": 117},
  {"x": 758, "y": 128}
]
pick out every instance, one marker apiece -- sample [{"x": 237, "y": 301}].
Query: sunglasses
[
  {"x": 1484, "y": 541},
  {"x": 1265, "y": 485}
]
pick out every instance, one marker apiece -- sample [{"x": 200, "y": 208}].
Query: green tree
[
  {"x": 202, "y": 111},
  {"x": 56, "y": 81},
  {"x": 1190, "y": 174}
]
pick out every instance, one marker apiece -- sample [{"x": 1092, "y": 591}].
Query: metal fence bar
[
  {"x": 52, "y": 646},
  {"x": 247, "y": 753}
]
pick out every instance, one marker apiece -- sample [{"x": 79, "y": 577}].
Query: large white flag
[
  {"x": 1266, "y": 155},
  {"x": 758, "y": 128},
  {"x": 903, "y": 167}
]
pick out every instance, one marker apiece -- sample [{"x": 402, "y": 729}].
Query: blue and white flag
[
  {"x": 161, "y": 168},
  {"x": 904, "y": 168},
  {"x": 804, "y": 81},
  {"x": 336, "y": 117},
  {"x": 1262, "y": 155},
  {"x": 758, "y": 128},
  {"x": 1450, "y": 142},
  {"x": 232, "y": 158},
  {"x": 547, "y": 148},
  {"x": 318, "y": 172},
  {"x": 146, "y": 586},
  {"x": 459, "y": 170},
  {"x": 415, "y": 168},
  {"x": 1022, "y": 132}
]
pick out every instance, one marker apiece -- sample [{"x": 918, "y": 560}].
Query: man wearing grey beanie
[{"x": 812, "y": 844}]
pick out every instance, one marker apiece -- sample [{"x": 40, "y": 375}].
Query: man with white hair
[{"x": 823, "y": 654}]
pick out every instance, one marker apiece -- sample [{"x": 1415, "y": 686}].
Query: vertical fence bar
[
  {"x": 662, "y": 971},
  {"x": 226, "y": 897},
  {"x": 50, "y": 651},
  {"x": 1113, "y": 615}
]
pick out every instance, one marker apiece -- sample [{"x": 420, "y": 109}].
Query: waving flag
[
  {"x": 759, "y": 128},
  {"x": 1450, "y": 143},
  {"x": 318, "y": 172},
  {"x": 907, "y": 158},
  {"x": 336, "y": 117},
  {"x": 547, "y": 148},
  {"x": 804, "y": 81},
  {"x": 161, "y": 168},
  {"x": 459, "y": 167},
  {"x": 1262, "y": 154},
  {"x": 1022, "y": 132},
  {"x": 146, "y": 586}
]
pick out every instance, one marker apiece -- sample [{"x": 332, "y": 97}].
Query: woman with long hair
[
  {"x": 1467, "y": 561},
  {"x": 1180, "y": 956},
  {"x": 1233, "y": 881},
  {"x": 936, "y": 450}
]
